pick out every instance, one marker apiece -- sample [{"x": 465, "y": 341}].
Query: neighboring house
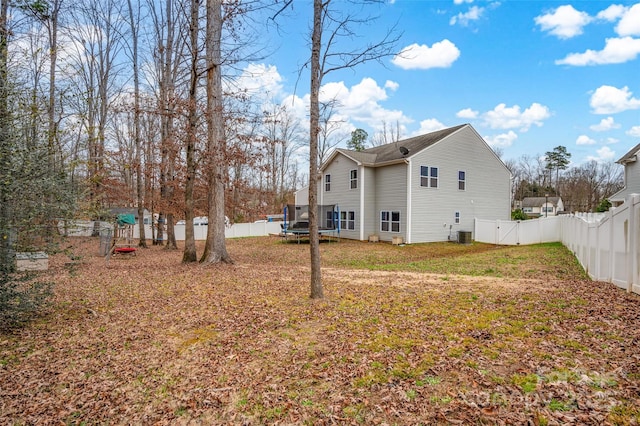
[
  {"x": 302, "y": 196},
  {"x": 631, "y": 176},
  {"x": 422, "y": 189},
  {"x": 542, "y": 206}
]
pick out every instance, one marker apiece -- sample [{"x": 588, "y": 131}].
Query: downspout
[
  {"x": 409, "y": 216},
  {"x": 362, "y": 215}
]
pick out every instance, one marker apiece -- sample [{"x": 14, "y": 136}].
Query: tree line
[
  {"x": 584, "y": 187},
  {"x": 136, "y": 103}
]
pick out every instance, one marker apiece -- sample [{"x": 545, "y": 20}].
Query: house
[
  {"x": 631, "y": 176},
  {"x": 542, "y": 206},
  {"x": 423, "y": 189}
]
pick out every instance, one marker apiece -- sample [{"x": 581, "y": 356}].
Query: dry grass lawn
[{"x": 420, "y": 334}]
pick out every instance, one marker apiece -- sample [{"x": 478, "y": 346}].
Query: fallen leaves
[{"x": 149, "y": 340}]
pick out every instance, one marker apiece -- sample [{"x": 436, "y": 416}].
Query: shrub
[
  {"x": 518, "y": 214},
  {"x": 21, "y": 296}
]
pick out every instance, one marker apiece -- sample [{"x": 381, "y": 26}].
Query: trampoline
[{"x": 296, "y": 221}]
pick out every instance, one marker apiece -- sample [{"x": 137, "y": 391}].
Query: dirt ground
[{"x": 147, "y": 340}]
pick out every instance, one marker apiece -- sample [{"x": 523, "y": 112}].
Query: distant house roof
[
  {"x": 539, "y": 201},
  {"x": 396, "y": 151}
]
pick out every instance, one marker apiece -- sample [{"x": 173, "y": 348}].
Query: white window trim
[
  {"x": 464, "y": 181},
  {"x": 352, "y": 179},
  {"x": 349, "y": 224},
  {"x": 391, "y": 221},
  {"x": 456, "y": 218},
  {"x": 327, "y": 181},
  {"x": 429, "y": 177}
]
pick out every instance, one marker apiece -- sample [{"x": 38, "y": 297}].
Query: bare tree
[
  {"x": 386, "y": 135},
  {"x": 169, "y": 45},
  {"x": 134, "y": 21},
  {"x": 6, "y": 258},
  {"x": 98, "y": 36},
  {"x": 326, "y": 57},
  {"x": 189, "y": 254},
  {"x": 331, "y": 132},
  {"x": 281, "y": 139},
  {"x": 215, "y": 250}
]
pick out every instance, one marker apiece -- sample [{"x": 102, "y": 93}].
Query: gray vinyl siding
[
  {"x": 370, "y": 213},
  {"x": 631, "y": 182},
  {"x": 391, "y": 195},
  {"x": 487, "y": 193},
  {"x": 347, "y": 199}
]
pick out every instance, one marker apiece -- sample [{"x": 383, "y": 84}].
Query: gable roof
[
  {"x": 630, "y": 156},
  {"x": 539, "y": 201},
  {"x": 391, "y": 153}
]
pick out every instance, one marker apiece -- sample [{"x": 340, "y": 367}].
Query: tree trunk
[
  {"x": 142, "y": 242},
  {"x": 6, "y": 257},
  {"x": 215, "y": 250},
  {"x": 314, "y": 106},
  {"x": 190, "y": 254},
  {"x": 53, "y": 56},
  {"x": 167, "y": 189}
]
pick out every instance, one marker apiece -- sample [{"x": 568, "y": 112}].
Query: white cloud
[
  {"x": 634, "y": 131},
  {"x": 361, "y": 103},
  {"x": 464, "y": 19},
  {"x": 629, "y": 24},
  {"x": 467, "y": 113},
  {"x": 612, "y": 13},
  {"x": 462, "y": 1},
  {"x": 564, "y": 22},
  {"x": 611, "y": 141},
  {"x": 616, "y": 51},
  {"x": 429, "y": 125},
  {"x": 610, "y": 100},
  {"x": 441, "y": 55},
  {"x": 604, "y": 154},
  {"x": 503, "y": 140},
  {"x": 604, "y": 125},
  {"x": 585, "y": 140},
  {"x": 263, "y": 81},
  {"x": 503, "y": 117},
  {"x": 391, "y": 85}
]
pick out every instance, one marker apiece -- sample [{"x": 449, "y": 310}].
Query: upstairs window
[
  {"x": 353, "y": 179},
  {"x": 327, "y": 183},
  {"x": 462, "y": 182},
  {"x": 429, "y": 177}
]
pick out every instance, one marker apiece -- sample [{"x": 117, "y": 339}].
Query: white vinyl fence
[
  {"x": 84, "y": 228},
  {"x": 606, "y": 245}
]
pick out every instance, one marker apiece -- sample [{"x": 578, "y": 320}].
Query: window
[
  {"x": 353, "y": 179},
  {"x": 462, "y": 183},
  {"x": 348, "y": 220},
  {"x": 456, "y": 217},
  {"x": 429, "y": 177},
  {"x": 330, "y": 219},
  {"x": 327, "y": 183},
  {"x": 547, "y": 210},
  {"x": 527, "y": 209},
  {"x": 389, "y": 221}
]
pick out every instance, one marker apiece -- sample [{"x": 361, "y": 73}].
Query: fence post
[
  {"x": 610, "y": 277},
  {"x": 631, "y": 248}
]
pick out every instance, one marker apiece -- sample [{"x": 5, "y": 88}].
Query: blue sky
[{"x": 528, "y": 75}]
